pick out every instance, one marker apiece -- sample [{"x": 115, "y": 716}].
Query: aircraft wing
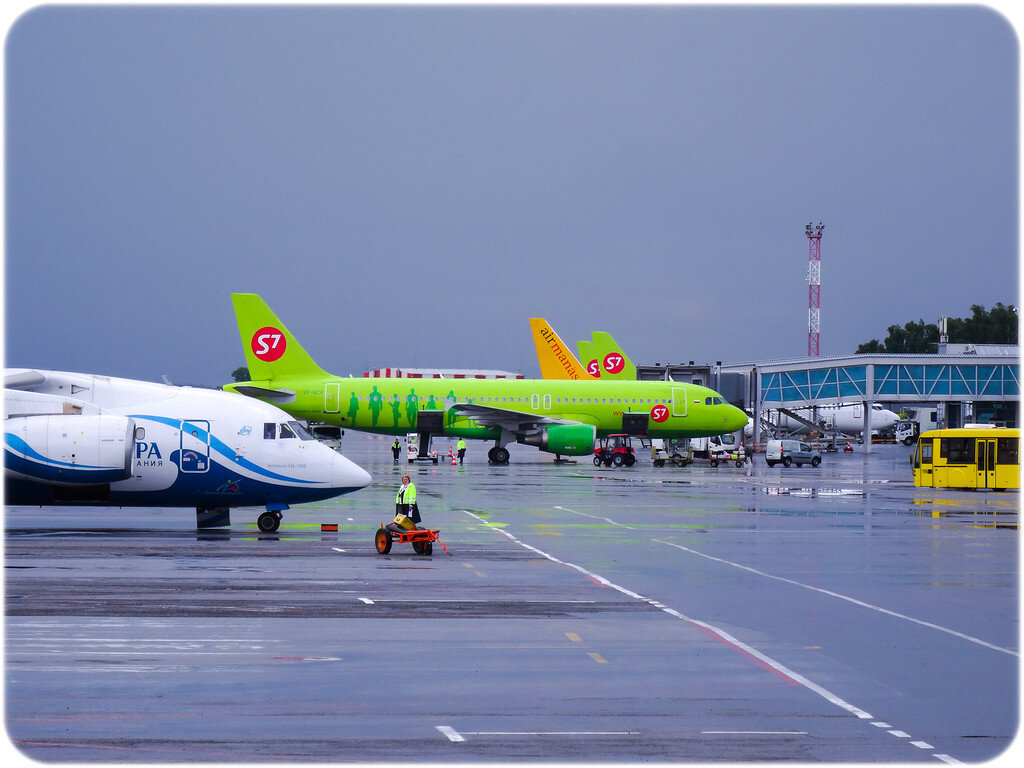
[{"x": 514, "y": 421}]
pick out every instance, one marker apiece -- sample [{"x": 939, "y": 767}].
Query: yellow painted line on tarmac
[
  {"x": 574, "y": 637},
  {"x": 598, "y": 658}
]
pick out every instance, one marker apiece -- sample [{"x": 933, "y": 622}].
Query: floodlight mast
[{"x": 814, "y": 288}]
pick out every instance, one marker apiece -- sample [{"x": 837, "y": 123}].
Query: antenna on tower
[{"x": 814, "y": 288}]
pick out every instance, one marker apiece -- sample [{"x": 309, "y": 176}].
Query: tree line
[{"x": 995, "y": 326}]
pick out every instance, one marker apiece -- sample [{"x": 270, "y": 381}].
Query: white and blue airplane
[{"x": 82, "y": 439}]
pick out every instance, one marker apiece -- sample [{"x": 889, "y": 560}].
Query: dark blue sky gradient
[{"x": 407, "y": 186}]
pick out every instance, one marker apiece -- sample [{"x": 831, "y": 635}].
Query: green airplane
[{"x": 563, "y": 417}]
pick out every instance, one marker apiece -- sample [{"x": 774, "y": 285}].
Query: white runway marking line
[
  {"x": 451, "y": 733},
  {"x": 853, "y": 600},
  {"x": 729, "y": 639},
  {"x": 596, "y": 517},
  {"x": 460, "y": 736},
  {"x": 366, "y": 600}
]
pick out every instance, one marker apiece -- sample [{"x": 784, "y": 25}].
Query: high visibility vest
[
  {"x": 461, "y": 445},
  {"x": 408, "y": 496}
]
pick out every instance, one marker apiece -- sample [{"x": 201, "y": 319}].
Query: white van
[{"x": 789, "y": 452}]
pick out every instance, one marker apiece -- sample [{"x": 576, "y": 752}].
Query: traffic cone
[{"x": 453, "y": 459}]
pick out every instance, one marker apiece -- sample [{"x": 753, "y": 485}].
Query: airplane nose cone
[
  {"x": 347, "y": 474},
  {"x": 736, "y": 419}
]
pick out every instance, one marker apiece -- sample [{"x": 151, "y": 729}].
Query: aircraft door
[
  {"x": 678, "y": 401},
  {"x": 194, "y": 455},
  {"x": 332, "y": 397},
  {"x": 986, "y": 464}
]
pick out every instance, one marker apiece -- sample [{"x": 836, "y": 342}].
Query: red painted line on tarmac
[{"x": 778, "y": 673}]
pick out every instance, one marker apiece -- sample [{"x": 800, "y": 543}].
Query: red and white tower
[{"x": 813, "y": 288}]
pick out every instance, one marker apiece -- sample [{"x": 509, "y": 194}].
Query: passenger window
[
  {"x": 1007, "y": 450},
  {"x": 926, "y": 452},
  {"x": 957, "y": 450},
  {"x": 269, "y": 431}
]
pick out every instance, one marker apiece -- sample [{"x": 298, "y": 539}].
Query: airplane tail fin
[
  {"x": 609, "y": 356},
  {"x": 556, "y": 359},
  {"x": 271, "y": 352},
  {"x": 588, "y": 357}
]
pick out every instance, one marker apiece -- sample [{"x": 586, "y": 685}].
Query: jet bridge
[{"x": 959, "y": 383}]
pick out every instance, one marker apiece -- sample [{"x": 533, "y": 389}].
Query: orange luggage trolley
[{"x": 422, "y": 540}]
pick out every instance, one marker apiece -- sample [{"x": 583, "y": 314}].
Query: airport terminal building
[{"x": 962, "y": 383}]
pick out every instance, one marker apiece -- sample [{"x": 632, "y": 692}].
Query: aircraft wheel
[
  {"x": 498, "y": 455},
  {"x": 382, "y": 541},
  {"x": 268, "y": 522}
]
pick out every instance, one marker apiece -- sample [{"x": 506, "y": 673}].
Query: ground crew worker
[
  {"x": 461, "y": 445},
  {"x": 405, "y": 501},
  {"x": 396, "y": 448}
]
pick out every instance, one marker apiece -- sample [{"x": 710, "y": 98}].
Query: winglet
[
  {"x": 555, "y": 358},
  {"x": 271, "y": 352}
]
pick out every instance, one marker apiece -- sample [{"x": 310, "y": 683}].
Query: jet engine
[
  {"x": 69, "y": 449},
  {"x": 566, "y": 439}
]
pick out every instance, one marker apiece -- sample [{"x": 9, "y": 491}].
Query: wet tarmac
[{"x": 833, "y": 614}]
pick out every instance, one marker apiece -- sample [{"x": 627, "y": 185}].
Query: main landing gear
[
  {"x": 498, "y": 455},
  {"x": 269, "y": 521}
]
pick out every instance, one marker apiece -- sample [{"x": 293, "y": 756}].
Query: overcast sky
[{"x": 408, "y": 186}]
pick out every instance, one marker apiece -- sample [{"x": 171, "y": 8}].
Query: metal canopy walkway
[{"x": 940, "y": 379}]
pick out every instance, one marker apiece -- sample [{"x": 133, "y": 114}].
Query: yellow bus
[{"x": 971, "y": 457}]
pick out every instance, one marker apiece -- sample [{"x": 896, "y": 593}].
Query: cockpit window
[
  {"x": 269, "y": 431},
  {"x": 300, "y": 431},
  {"x": 286, "y": 432},
  {"x": 713, "y": 401}
]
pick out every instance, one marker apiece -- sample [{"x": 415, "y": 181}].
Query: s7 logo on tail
[
  {"x": 268, "y": 344},
  {"x": 614, "y": 363}
]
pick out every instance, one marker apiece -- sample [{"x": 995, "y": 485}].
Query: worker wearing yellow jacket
[
  {"x": 461, "y": 447},
  {"x": 405, "y": 502}
]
